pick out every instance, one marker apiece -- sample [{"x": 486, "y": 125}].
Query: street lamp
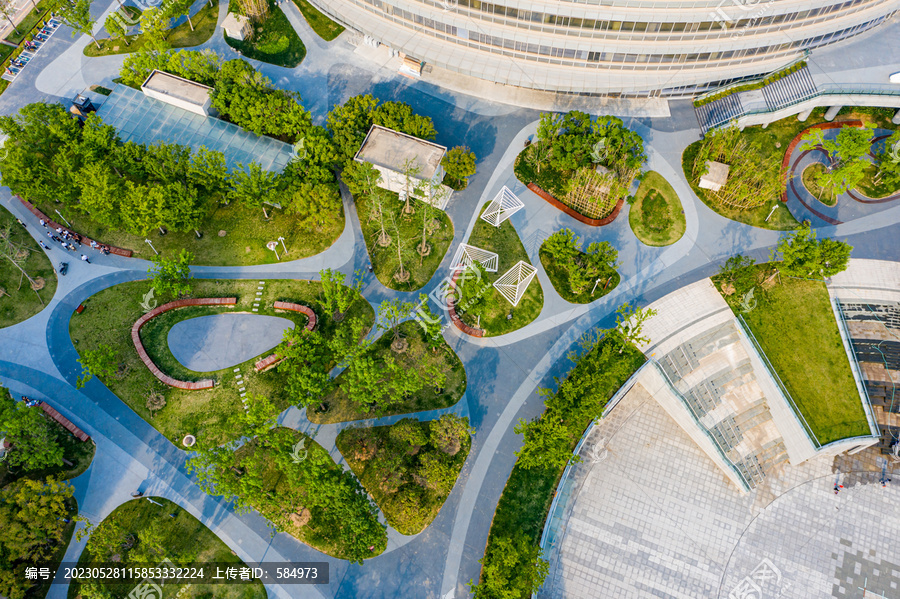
[
  {"x": 273, "y": 245},
  {"x": 151, "y": 246},
  {"x": 64, "y": 218},
  {"x": 281, "y": 239}
]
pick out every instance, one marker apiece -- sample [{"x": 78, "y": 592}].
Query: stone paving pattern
[{"x": 653, "y": 517}]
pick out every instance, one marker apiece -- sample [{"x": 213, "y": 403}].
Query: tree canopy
[
  {"x": 802, "y": 255},
  {"x": 34, "y": 440}
]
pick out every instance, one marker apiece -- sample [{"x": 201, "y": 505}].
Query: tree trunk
[
  {"x": 96, "y": 42},
  {"x": 13, "y": 24},
  {"x": 25, "y": 274},
  {"x": 191, "y": 23},
  {"x": 264, "y": 212}
]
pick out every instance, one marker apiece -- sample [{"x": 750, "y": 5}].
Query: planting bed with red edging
[
  {"x": 274, "y": 359},
  {"x": 140, "y": 322},
  {"x": 594, "y": 222}
]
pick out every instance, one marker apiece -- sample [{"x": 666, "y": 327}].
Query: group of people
[{"x": 68, "y": 240}]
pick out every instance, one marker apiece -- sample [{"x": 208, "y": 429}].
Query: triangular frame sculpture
[
  {"x": 466, "y": 255},
  {"x": 514, "y": 282},
  {"x": 504, "y": 205}
]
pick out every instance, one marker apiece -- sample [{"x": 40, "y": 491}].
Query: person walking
[
  {"x": 43, "y": 223},
  {"x": 43, "y": 245},
  {"x": 85, "y": 259}
]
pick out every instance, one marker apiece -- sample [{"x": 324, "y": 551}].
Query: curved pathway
[{"x": 37, "y": 357}]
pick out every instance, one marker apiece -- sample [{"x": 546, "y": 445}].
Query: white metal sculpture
[
  {"x": 504, "y": 205},
  {"x": 466, "y": 255},
  {"x": 513, "y": 283}
]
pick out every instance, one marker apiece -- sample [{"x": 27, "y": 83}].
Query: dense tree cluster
[
  {"x": 888, "y": 161},
  {"x": 584, "y": 268},
  {"x": 337, "y": 505},
  {"x": 802, "y": 255},
  {"x": 33, "y": 518},
  {"x": 34, "y": 438}
]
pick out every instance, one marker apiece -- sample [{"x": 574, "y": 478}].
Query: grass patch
[
  {"x": 874, "y": 190},
  {"x": 274, "y": 40},
  {"x": 656, "y": 216},
  {"x": 490, "y": 310},
  {"x": 322, "y": 25},
  {"x": 19, "y": 301},
  {"x": 525, "y": 502},
  {"x": 407, "y": 475},
  {"x": 409, "y": 229},
  {"x": 178, "y": 37},
  {"x": 185, "y": 540},
  {"x": 559, "y": 277},
  {"x": 796, "y": 329},
  {"x": 44, "y": 7},
  {"x": 246, "y": 234},
  {"x": 5, "y": 51},
  {"x": 417, "y": 355},
  {"x": 808, "y": 177},
  {"x": 781, "y": 219},
  {"x": 109, "y": 315}
]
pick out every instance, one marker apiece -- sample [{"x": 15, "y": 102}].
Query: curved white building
[{"x": 628, "y": 47}]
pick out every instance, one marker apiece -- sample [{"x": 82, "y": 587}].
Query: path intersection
[{"x": 38, "y": 359}]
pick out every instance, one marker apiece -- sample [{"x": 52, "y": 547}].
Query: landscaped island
[
  {"x": 27, "y": 279},
  {"x": 587, "y": 165}
]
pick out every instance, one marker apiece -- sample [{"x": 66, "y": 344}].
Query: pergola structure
[
  {"x": 513, "y": 283},
  {"x": 504, "y": 205},
  {"x": 466, "y": 255}
]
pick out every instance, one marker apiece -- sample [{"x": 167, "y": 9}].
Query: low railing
[
  {"x": 750, "y": 81},
  {"x": 827, "y": 89}
]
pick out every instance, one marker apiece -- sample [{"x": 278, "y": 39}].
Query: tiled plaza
[{"x": 652, "y": 516}]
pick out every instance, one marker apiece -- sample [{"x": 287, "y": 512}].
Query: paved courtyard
[
  {"x": 208, "y": 343},
  {"x": 651, "y": 516}
]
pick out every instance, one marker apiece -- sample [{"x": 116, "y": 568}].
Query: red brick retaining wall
[
  {"x": 456, "y": 320},
  {"x": 594, "y": 222},
  {"x": 55, "y": 225},
  {"x": 786, "y": 161},
  {"x": 140, "y": 322},
  {"x": 65, "y": 422},
  {"x": 270, "y": 361}
]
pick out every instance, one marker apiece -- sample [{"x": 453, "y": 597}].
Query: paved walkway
[
  {"x": 218, "y": 341},
  {"x": 38, "y": 357}
]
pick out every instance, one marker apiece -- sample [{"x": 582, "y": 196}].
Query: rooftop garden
[
  {"x": 656, "y": 216},
  {"x": 410, "y": 467},
  {"x": 588, "y": 165},
  {"x": 478, "y": 303},
  {"x": 580, "y": 277},
  {"x": 144, "y": 533},
  {"x": 27, "y": 279},
  {"x": 787, "y": 308}
]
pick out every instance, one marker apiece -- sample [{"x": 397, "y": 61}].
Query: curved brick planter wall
[
  {"x": 786, "y": 161},
  {"x": 594, "y": 222},
  {"x": 270, "y": 361},
  {"x": 55, "y": 225},
  {"x": 455, "y": 319},
  {"x": 140, "y": 322}
]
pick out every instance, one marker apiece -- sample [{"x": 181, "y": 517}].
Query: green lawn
[
  {"x": 491, "y": 311},
  {"x": 179, "y": 37},
  {"x": 31, "y": 20},
  {"x": 185, "y": 540},
  {"x": 18, "y": 301},
  {"x": 274, "y": 41},
  {"x": 391, "y": 471},
  {"x": 109, "y": 315},
  {"x": 808, "y": 177},
  {"x": 656, "y": 216},
  {"x": 408, "y": 229},
  {"x": 246, "y": 234},
  {"x": 796, "y": 329},
  {"x": 781, "y": 219},
  {"x": 874, "y": 190},
  {"x": 341, "y": 409},
  {"x": 322, "y": 25},
  {"x": 5, "y": 51},
  {"x": 559, "y": 277}
]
